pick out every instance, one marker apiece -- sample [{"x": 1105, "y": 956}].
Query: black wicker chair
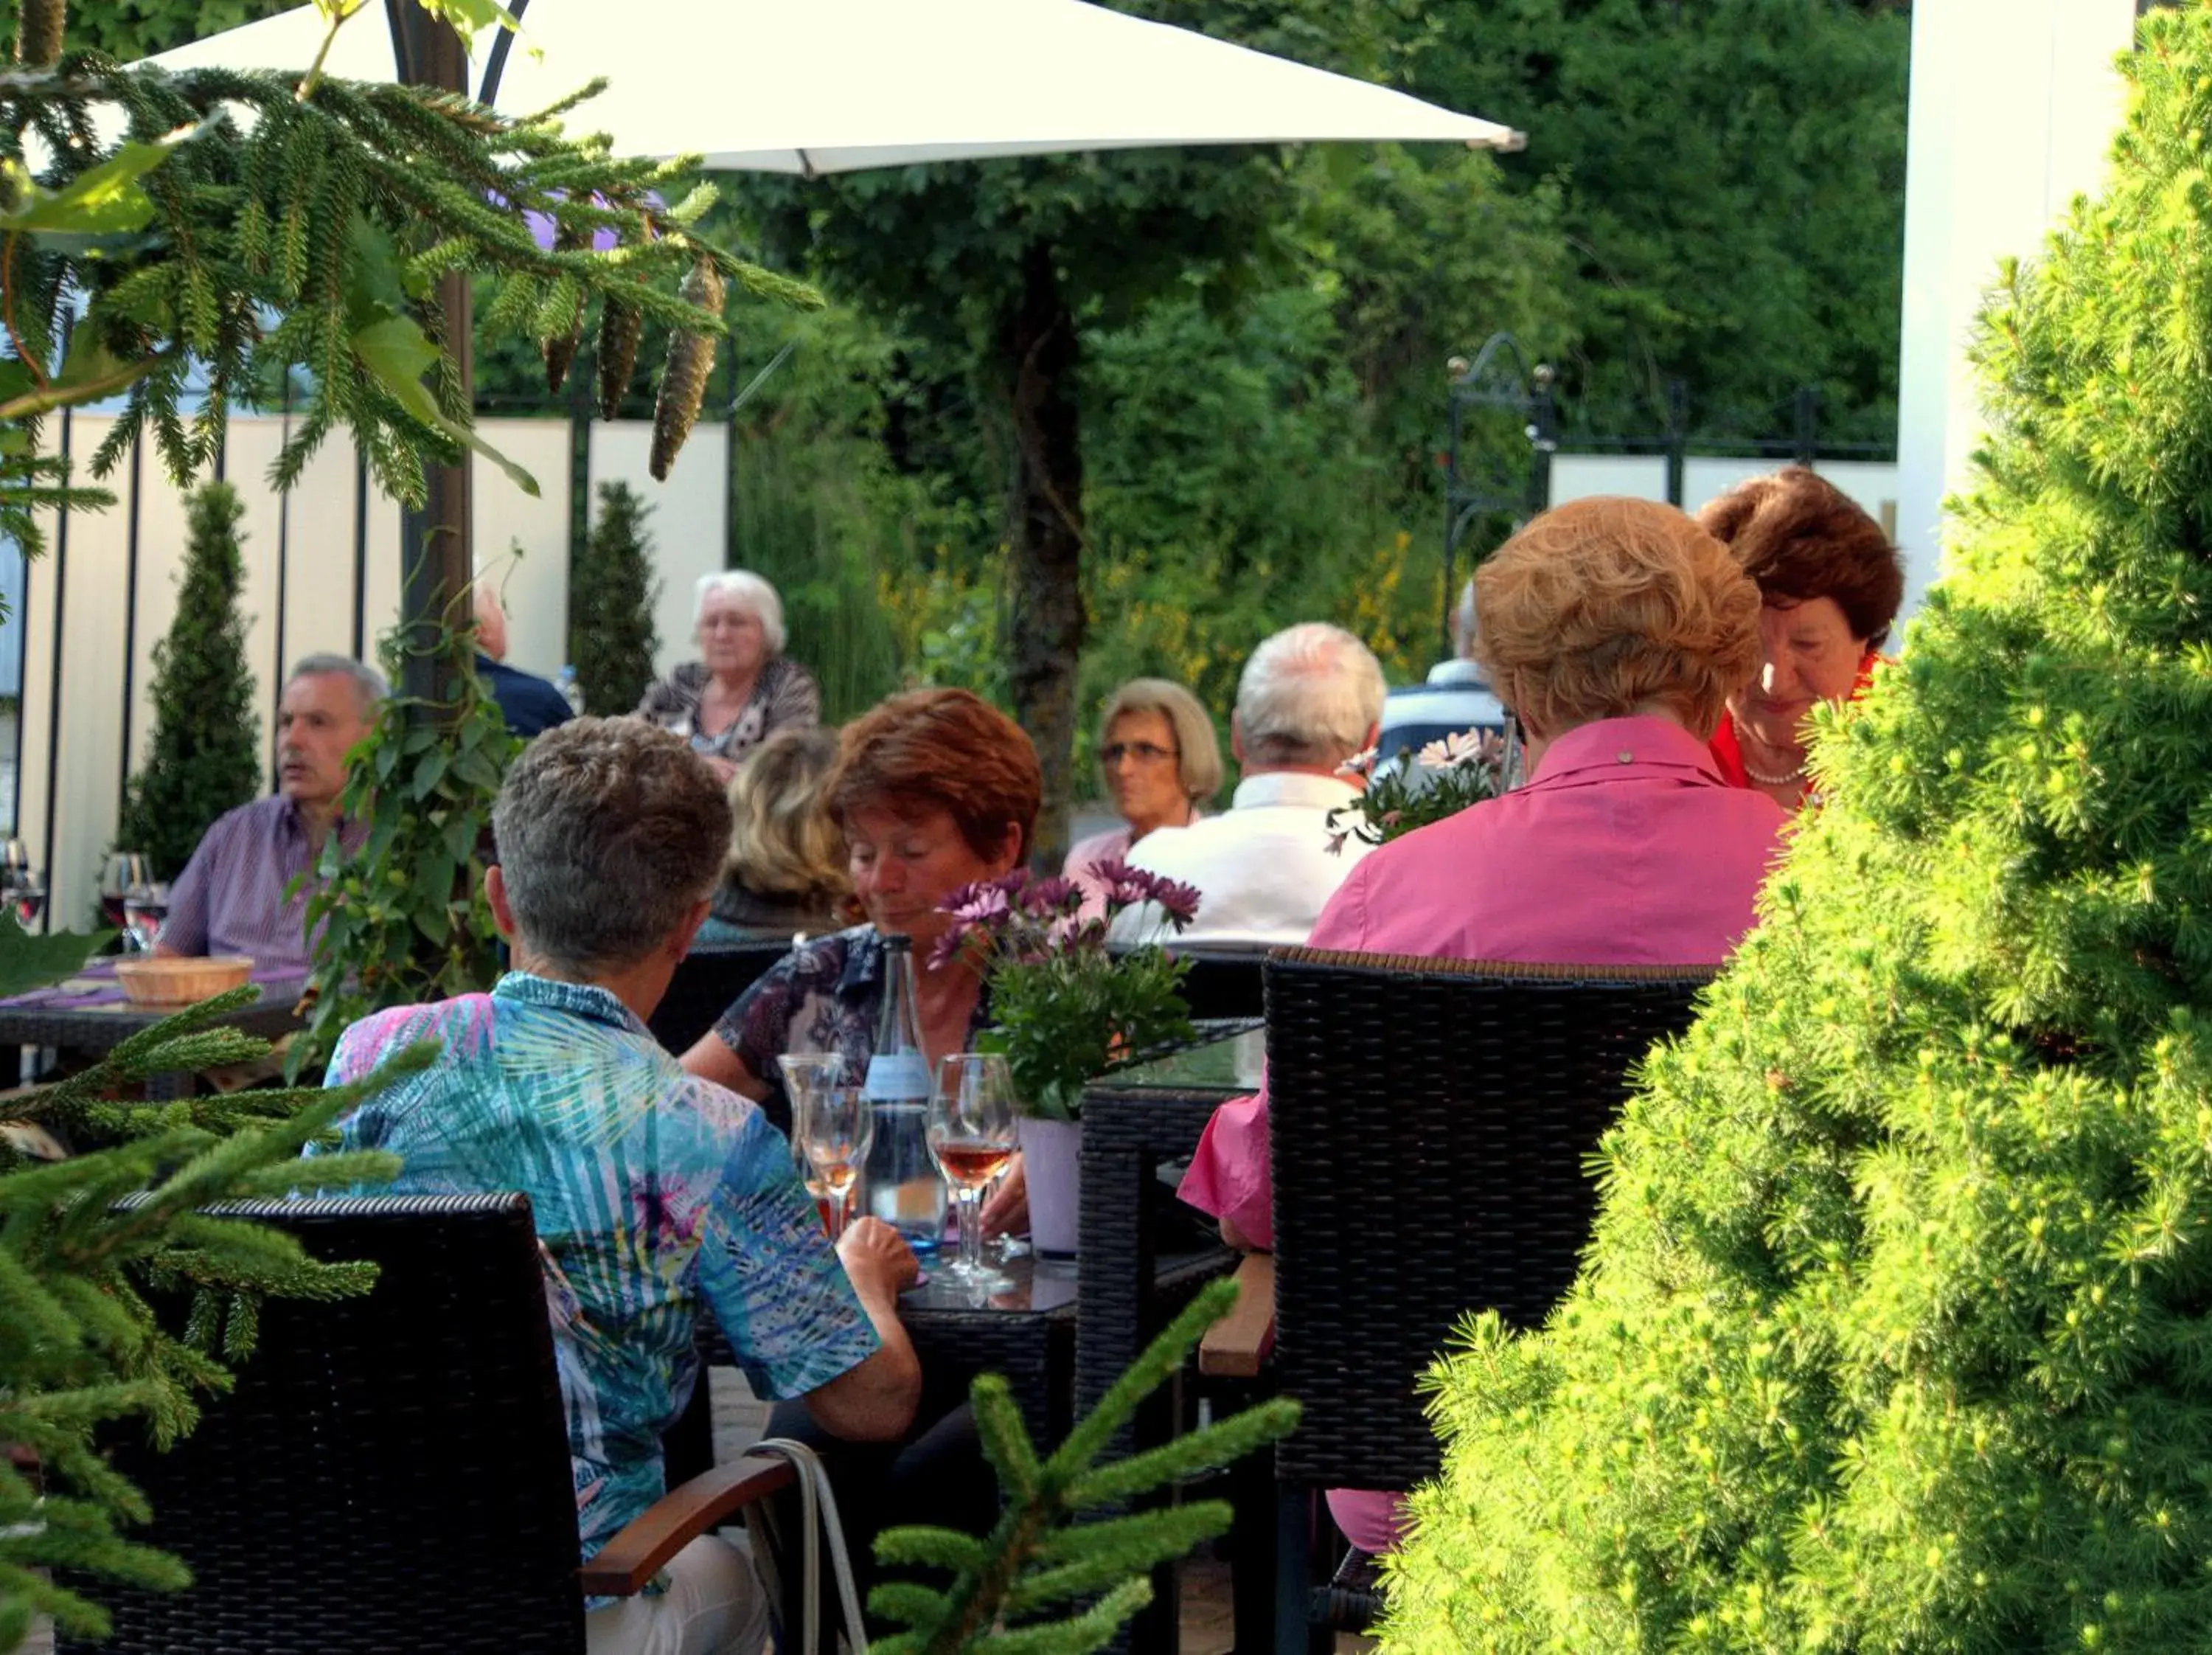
[
  {"x": 392, "y": 1471},
  {"x": 1431, "y": 1123},
  {"x": 707, "y": 981}
]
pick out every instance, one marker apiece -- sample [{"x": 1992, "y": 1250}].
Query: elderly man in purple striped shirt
[{"x": 230, "y": 898}]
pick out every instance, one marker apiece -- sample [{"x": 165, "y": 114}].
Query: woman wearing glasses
[{"x": 1161, "y": 760}]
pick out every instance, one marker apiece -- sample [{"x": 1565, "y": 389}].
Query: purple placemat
[{"x": 95, "y": 988}]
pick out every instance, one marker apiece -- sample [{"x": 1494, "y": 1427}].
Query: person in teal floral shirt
[{"x": 654, "y": 1193}]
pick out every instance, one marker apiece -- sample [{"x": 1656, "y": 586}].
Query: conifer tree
[
  {"x": 1061, "y": 1571},
  {"x": 80, "y": 1343},
  {"x": 611, "y": 592},
  {"x": 1896, "y": 1332},
  {"x": 204, "y": 757}
]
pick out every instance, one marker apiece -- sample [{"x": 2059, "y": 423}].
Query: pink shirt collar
[{"x": 1611, "y": 745}]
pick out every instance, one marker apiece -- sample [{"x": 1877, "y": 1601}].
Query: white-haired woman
[{"x": 742, "y": 688}]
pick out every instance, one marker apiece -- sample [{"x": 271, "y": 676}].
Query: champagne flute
[
  {"x": 970, "y": 1131},
  {"x": 805, "y": 1072},
  {"x": 835, "y": 1125}
]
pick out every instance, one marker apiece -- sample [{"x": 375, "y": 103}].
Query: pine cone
[
  {"x": 621, "y": 327},
  {"x": 560, "y": 350},
  {"x": 683, "y": 382}
]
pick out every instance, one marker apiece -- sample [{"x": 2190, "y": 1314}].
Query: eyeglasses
[{"x": 1143, "y": 752}]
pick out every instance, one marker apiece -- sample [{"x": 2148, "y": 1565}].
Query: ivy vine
[{"x": 404, "y": 919}]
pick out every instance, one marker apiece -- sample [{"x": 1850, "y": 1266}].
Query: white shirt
[{"x": 1263, "y": 867}]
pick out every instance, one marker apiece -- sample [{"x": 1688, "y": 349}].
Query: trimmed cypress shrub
[
  {"x": 611, "y": 591},
  {"x": 204, "y": 757},
  {"x": 1896, "y": 1334}
]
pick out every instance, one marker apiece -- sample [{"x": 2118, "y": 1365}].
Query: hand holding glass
[{"x": 971, "y": 1133}]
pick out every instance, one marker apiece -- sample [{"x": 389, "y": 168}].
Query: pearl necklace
[{"x": 1790, "y": 780}]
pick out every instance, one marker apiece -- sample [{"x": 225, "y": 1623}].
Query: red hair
[{"x": 947, "y": 749}]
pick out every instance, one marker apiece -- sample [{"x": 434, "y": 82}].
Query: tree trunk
[
  {"x": 1045, "y": 519},
  {"x": 38, "y": 32}
]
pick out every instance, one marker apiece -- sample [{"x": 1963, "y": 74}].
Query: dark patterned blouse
[
  {"x": 826, "y": 994},
  {"x": 785, "y": 695}
]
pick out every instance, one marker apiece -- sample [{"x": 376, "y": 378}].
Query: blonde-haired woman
[
  {"x": 1615, "y": 629},
  {"x": 743, "y": 689},
  {"x": 1161, "y": 759},
  {"x": 786, "y": 871}
]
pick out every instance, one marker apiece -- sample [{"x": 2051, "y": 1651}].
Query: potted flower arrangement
[
  {"x": 1064, "y": 1010},
  {"x": 1442, "y": 780}
]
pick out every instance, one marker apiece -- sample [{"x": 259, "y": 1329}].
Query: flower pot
[{"x": 1052, "y": 1155}]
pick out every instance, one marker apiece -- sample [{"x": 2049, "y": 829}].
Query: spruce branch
[{"x": 1039, "y": 1553}]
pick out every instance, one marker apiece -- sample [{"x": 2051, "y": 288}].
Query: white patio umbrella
[{"x": 834, "y": 86}]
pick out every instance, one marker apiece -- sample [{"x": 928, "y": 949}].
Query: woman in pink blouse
[
  {"x": 1161, "y": 759},
  {"x": 1615, "y": 630}
]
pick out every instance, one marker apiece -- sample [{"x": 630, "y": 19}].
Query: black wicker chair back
[
  {"x": 1431, "y": 1124},
  {"x": 707, "y": 983},
  {"x": 392, "y": 1471},
  {"x": 1226, "y": 984}
]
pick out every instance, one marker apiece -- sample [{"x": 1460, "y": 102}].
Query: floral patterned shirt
[
  {"x": 654, "y": 1193},
  {"x": 826, "y": 994},
  {"x": 785, "y": 693}
]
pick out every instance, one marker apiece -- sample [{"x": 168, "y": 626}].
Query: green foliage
[
  {"x": 611, "y": 593},
  {"x": 83, "y": 1244},
  {"x": 405, "y": 917},
  {"x": 1731, "y": 179},
  {"x": 1412, "y": 790},
  {"x": 1896, "y": 1331},
  {"x": 1064, "y": 1009},
  {"x": 1013, "y": 1590},
  {"x": 204, "y": 759},
  {"x": 127, "y": 29},
  {"x": 230, "y": 199}
]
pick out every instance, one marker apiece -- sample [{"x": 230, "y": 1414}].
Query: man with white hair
[
  {"x": 1456, "y": 698},
  {"x": 1309, "y": 699},
  {"x": 530, "y": 704}
]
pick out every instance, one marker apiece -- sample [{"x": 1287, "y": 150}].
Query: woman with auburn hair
[
  {"x": 1830, "y": 584},
  {"x": 1614, "y": 630},
  {"x": 1161, "y": 759},
  {"x": 934, "y": 789}
]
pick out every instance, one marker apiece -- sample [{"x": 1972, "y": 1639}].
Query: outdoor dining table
[{"x": 89, "y": 1014}]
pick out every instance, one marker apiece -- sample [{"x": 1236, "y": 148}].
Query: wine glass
[
  {"x": 26, "y": 896},
  {"x": 125, "y": 870},
  {"x": 144, "y": 908},
  {"x": 834, "y": 1125},
  {"x": 970, "y": 1130}
]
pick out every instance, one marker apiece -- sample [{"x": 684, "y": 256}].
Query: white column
[{"x": 2013, "y": 105}]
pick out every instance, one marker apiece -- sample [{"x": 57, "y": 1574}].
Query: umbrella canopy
[{"x": 834, "y": 86}]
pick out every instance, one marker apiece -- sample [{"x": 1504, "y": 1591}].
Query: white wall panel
[
  {"x": 687, "y": 523},
  {"x": 535, "y": 585}
]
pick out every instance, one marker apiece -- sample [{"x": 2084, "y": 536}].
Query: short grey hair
[
  {"x": 365, "y": 680},
  {"x": 751, "y": 592},
  {"x": 610, "y": 831},
  {"x": 1310, "y": 694}
]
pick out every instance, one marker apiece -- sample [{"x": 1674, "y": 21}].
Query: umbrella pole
[{"x": 436, "y": 560}]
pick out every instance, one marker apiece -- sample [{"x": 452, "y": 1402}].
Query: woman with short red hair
[
  {"x": 934, "y": 789},
  {"x": 1830, "y": 584}
]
